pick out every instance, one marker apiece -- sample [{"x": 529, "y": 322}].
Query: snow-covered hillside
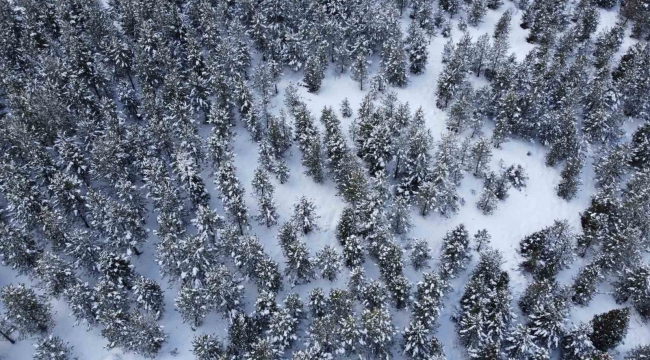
[{"x": 524, "y": 211}]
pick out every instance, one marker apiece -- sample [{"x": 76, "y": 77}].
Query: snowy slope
[{"x": 524, "y": 212}]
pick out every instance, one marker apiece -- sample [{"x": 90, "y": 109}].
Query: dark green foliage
[
  {"x": 609, "y": 328},
  {"x": 548, "y": 251}
]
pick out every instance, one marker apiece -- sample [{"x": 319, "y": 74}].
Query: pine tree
[
  {"x": 416, "y": 48},
  {"x": 304, "y": 215},
  {"x": 149, "y": 296},
  {"x": 346, "y": 110},
  {"x": 393, "y": 61},
  {"x": 568, "y": 186},
  {"x": 415, "y": 343},
  {"x": 549, "y": 250},
  {"x": 282, "y": 329},
  {"x": 640, "y": 147},
  {"x": 81, "y": 300},
  {"x": 520, "y": 344},
  {"x": 634, "y": 285},
  {"x": 485, "y": 312},
  {"x": 329, "y": 262},
  {"x": 224, "y": 291},
  {"x": 577, "y": 345},
  {"x": 359, "y": 69},
  {"x": 54, "y": 274},
  {"x": 609, "y": 328},
  {"x": 400, "y": 215},
  {"x": 378, "y": 332},
  {"x": 450, "y": 6},
  {"x": 299, "y": 265},
  {"x": 639, "y": 352},
  {"x": 207, "y": 347},
  {"x": 480, "y": 157},
  {"x": 476, "y": 12},
  {"x": 232, "y": 194},
  {"x": 317, "y": 303},
  {"x": 353, "y": 252},
  {"x": 455, "y": 252},
  {"x": 264, "y": 190},
  {"x": 548, "y": 318},
  {"x": 314, "y": 73},
  {"x": 584, "y": 285},
  {"x": 420, "y": 254},
  {"x": 52, "y": 348},
  {"x": 29, "y": 312}
]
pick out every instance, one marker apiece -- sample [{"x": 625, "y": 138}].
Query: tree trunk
[
  {"x": 6, "y": 336},
  {"x": 136, "y": 251}
]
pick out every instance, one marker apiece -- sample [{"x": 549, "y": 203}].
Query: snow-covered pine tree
[
  {"x": 81, "y": 300},
  {"x": 304, "y": 215},
  {"x": 416, "y": 48},
  {"x": 609, "y": 328},
  {"x": 207, "y": 347},
  {"x": 29, "y": 312},
  {"x": 480, "y": 157},
  {"x": 317, "y": 303},
  {"x": 576, "y": 344},
  {"x": 149, "y": 296},
  {"x": 476, "y": 12},
  {"x": 393, "y": 61},
  {"x": 428, "y": 299},
  {"x": 485, "y": 313},
  {"x": 359, "y": 69},
  {"x": 314, "y": 72},
  {"x": 640, "y": 147},
  {"x": 52, "y": 348},
  {"x": 549, "y": 250},
  {"x": 282, "y": 329},
  {"x": 299, "y": 266},
  {"x": 420, "y": 254},
  {"x": 415, "y": 342},
  {"x": 232, "y": 194},
  {"x": 520, "y": 344},
  {"x": 585, "y": 283},
  {"x": 346, "y": 110},
  {"x": 378, "y": 332},
  {"x": 263, "y": 189},
  {"x": 328, "y": 261},
  {"x": 634, "y": 285},
  {"x": 353, "y": 252},
  {"x": 455, "y": 252},
  {"x": 568, "y": 186},
  {"x": 54, "y": 274}
]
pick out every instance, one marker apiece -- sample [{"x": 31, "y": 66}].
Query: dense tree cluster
[{"x": 112, "y": 110}]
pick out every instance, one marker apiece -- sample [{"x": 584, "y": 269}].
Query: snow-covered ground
[{"x": 524, "y": 212}]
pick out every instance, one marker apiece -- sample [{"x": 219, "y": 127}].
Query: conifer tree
[
  {"x": 232, "y": 194},
  {"x": 584, "y": 285},
  {"x": 149, "y": 296},
  {"x": 314, "y": 73},
  {"x": 568, "y": 186},
  {"x": 416, "y": 48},
  {"x": 480, "y": 157},
  {"x": 54, "y": 274},
  {"x": 207, "y": 347},
  {"x": 609, "y": 328},
  {"x": 476, "y": 12},
  {"x": 263, "y": 189},
  {"x": 455, "y": 252},
  {"x": 346, "y": 110},
  {"x": 359, "y": 69},
  {"x": 52, "y": 348},
  {"x": 29, "y": 312},
  {"x": 304, "y": 215},
  {"x": 420, "y": 254}
]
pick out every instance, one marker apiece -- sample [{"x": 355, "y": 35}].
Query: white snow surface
[{"x": 534, "y": 207}]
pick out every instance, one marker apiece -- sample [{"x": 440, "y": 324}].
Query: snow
[{"x": 534, "y": 207}]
